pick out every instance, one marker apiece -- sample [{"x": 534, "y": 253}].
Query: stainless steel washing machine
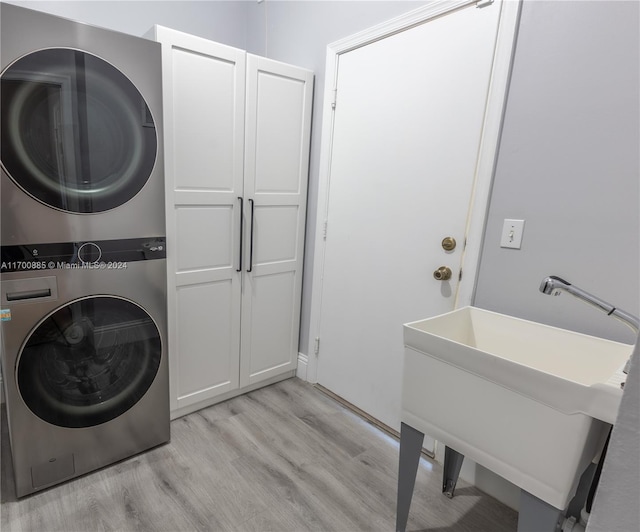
[
  {"x": 84, "y": 358},
  {"x": 81, "y": 129}
]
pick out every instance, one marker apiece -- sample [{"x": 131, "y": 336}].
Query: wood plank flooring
[{"x": 283, "y": 458}]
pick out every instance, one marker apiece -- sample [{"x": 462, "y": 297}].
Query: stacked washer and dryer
[{"x": 83, "y": 279}]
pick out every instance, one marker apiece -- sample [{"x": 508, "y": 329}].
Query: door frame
[{"x": 491, "y": 130}]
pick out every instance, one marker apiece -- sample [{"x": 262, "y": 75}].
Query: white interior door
[
  {"x": 407, "y": 132},
  {"x": 278, "y": 115},
  {"x": 204, "y": 134}
]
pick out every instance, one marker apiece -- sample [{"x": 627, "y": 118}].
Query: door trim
[{"x": 491, "y": 130}]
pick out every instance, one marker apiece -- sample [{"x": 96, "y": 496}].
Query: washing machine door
[
  {"x": 76, "y": 133},
  {"x": 89, "y": 362}
]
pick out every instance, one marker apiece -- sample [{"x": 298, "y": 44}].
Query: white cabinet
[{"x": 237, "y": 132}]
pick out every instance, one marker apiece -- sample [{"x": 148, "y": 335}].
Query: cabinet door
[
  {"x": 204, "y": 137},
  {"x": 278, "y": 115}
]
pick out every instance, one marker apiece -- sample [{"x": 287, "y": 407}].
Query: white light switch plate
[{"x": 512, "y": 234}]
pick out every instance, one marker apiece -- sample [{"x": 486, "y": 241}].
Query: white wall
[
  {"x": 569, "y": 164},
  {"x": 221, "y": 21}
]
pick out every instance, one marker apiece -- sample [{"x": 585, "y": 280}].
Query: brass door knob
[
  {"x": 449, "y": 243},
  {"x": 443, "y": 273}
]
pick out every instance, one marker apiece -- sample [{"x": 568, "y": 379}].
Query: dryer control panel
[{"x": 99, "y": 254}]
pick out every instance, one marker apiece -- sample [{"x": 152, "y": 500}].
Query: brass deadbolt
[
  {"x": 449, "y": 243},
  {"x": 443, "y": 273}
]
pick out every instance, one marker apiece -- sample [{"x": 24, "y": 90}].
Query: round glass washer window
[
  {"x": 76, "y": 133},
  {"x": 89, "y": 362}
]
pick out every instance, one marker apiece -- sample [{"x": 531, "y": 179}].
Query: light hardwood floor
[{"x": 283, "y": 458}]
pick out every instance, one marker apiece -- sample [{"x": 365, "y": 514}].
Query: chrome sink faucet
[{"x": 554, "y": 286}]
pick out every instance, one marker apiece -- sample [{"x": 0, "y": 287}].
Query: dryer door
[
  {"x": 76, "y": 133},
  {"x": 89, "y": 361}
]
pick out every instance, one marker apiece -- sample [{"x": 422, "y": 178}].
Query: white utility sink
[{"x": 528, "y": 401}]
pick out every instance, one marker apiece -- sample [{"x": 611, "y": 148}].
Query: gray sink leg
[
  {"x": 538, "y": 516},
  {"x": 410, "y": 449},
  {"x": 452, "y": 464}
]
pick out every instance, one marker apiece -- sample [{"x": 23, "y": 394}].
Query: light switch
[{"x": 512, "y": 234}]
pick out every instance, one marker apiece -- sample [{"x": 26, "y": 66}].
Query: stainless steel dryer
[
  {"x": 84, "y": 356},
  {"x": 81, "y": 129}
]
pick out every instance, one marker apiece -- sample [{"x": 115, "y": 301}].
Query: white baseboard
[{"x": 303, "y": 363}]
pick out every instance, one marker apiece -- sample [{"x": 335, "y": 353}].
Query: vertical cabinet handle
[
  {"x": 250, "y": 269},
  {"x": 241, "y": 200}
]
